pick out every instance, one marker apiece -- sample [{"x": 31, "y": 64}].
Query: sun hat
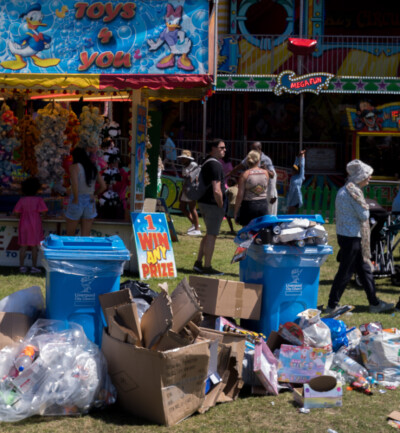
[
  {"x": 186, "y": 154},
  {"x": 358, "y": 171}
]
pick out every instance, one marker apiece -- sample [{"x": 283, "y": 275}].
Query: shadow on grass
[
  {"x": 117, "y": 416},
  {"x": 14, "y": 270},
  {"x": 191, "y": 272}
]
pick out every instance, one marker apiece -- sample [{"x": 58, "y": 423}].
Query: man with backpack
[{"x": 211, "y": 205}]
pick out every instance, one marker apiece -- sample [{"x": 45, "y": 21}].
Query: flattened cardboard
[
  {"x": 171, "y": 340},
  {"x": 121, "y": 332},
  {"x": 185, "y": 305},
  {"x": 228, "y": 298},
  {"x": 13, "y": 328},
  {"x": 157, "y": 320},
  {"x": 211, "y": 399},
  {"x": 320, "y": 392},
  {"x": 237, "y": 342},
  {"x": 163, "y": 387},
  {"x": 130, "y": 318},
  {"x": 113, "y": 299}
]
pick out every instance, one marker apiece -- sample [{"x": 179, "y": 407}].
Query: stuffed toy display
[
  {"x": 29, "y": 137},
  {"x": 110, "y": 205},
  {"x": 8, "y": 143},
  {"x": 52, "y": 149}
]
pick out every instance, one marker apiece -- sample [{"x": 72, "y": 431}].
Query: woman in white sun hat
[
  {"x": 188, "y": 207},
  {"x": 353, "y": 234}
]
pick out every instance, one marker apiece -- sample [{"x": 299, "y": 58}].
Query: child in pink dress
[{"x": 30, "y": 209}]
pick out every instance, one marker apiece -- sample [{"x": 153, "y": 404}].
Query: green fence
[{"x": 322, "y": 201}]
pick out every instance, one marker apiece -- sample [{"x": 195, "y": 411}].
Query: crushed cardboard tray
[{"x": 320, "y": 392}]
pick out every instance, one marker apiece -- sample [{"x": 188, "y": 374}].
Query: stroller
[{"x": 384, "y": 229}]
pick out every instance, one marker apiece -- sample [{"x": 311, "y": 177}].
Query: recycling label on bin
[
  {"x": 294, "y": 288},
  {"x": 87, "y": 296}
]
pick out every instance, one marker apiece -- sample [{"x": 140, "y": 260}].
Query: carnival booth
[
  {"x": 94, "y": 54},
  {"x": 374, "y": 137}
]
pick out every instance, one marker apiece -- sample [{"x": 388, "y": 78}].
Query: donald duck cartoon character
[
  {"x": 30, "y": 44},
  {"x": 175, "y": 39}
]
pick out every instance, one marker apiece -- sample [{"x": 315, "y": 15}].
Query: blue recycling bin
[
  {"x": 78, "y": 270},
  {"x": 289, "y": 276}
]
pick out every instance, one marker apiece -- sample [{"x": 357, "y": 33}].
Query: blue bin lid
[
  {"x": 259, "y": 223},
  {"x": 84, "y": 248}
]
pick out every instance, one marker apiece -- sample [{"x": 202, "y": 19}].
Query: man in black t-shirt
[{"x": 211, "y": 206}]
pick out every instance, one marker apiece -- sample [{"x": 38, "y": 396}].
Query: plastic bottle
[
  {"x": 344, "y": 363},
  {"x": 28, "y": 354},
  {"x": 354, "y": 337}
]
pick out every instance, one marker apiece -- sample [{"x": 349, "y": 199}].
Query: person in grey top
[{"x": 353, "y": 234}]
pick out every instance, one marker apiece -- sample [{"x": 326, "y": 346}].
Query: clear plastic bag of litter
[{"x": 56, "y": 370}]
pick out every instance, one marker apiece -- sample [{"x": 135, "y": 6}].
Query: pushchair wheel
[{"x": 396, "y": 276}]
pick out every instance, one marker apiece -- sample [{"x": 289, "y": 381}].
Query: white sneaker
[
  {"x": 194, "y": 233},
  {"x": 192, "y": 228},
  {"x": 381, "y": 307}
]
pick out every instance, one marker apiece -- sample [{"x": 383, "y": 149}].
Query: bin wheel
[
  {"x": 358, "y": 281},
  {"x": 396, "y": 276}
]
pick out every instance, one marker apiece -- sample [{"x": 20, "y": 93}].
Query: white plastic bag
[
  {"x": 316, "y": 333},
  {"x": 66, "y": 375},
  {"x": 28, "y": 301},
  {"x": 380, "y": 355}
]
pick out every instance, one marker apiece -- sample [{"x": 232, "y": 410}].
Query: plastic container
[
  {"x": 78, "y": 269},
  {"x": 351, "y": 368},
  {"x": 289, "y": 275}
]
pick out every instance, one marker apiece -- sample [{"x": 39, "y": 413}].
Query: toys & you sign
[{"x": 138, "y": 37}]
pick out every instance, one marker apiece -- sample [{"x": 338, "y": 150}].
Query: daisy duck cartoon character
[
  {"x": 176, "y": 40},
  {"x": 32, "y": 43}
]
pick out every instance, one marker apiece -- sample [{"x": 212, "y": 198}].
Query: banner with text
[
  {"x": 137, "y": 37},
  {"x": 153, "y": 246}
]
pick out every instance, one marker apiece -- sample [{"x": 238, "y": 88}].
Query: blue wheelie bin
[
  {"x": 289, "y": 275},
  {"x": 78, "y": 269}
]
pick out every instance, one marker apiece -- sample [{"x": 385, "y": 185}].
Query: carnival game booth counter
[
  {"x": 9, "y": 248},
  {"x": 92, "y": 53}
]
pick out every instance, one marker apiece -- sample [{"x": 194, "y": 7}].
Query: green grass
[{"x": 360, "y": 413}]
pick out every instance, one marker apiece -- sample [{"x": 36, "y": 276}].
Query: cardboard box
[
  {"x": 320, "y": 392},
  {"x": 163, "y": 387},
  {"x": 228, "y": 298},
  {"x": 300, "y": 364},
  {"x": 394, "y": 419},
  {"x": 13, "y": 328}
]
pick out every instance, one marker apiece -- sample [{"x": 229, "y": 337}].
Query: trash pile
[
  {"x": 280, "y": 230},
  {"x": 53, "y": 371},
  {"x": 167, "y": 356}
]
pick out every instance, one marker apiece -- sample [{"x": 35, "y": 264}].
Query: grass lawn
[{"x": 360, "y": 413}]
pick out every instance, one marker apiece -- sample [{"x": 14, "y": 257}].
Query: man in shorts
[{"x": 211, "y": 206}]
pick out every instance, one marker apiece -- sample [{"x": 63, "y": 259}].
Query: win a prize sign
[{"x": 153, "y": 246}]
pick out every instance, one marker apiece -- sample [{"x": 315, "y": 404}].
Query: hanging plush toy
[
  {"x": 51, "y": 151},
  {"x": 89, "y": 130},
  {"x": 29, "y": 137},
  {"x": 8, "y": 143}
]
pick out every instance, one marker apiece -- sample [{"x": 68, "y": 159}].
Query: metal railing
[
  {"x": 268, "y": 54},
  {"x": 321, "y": 157}
]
